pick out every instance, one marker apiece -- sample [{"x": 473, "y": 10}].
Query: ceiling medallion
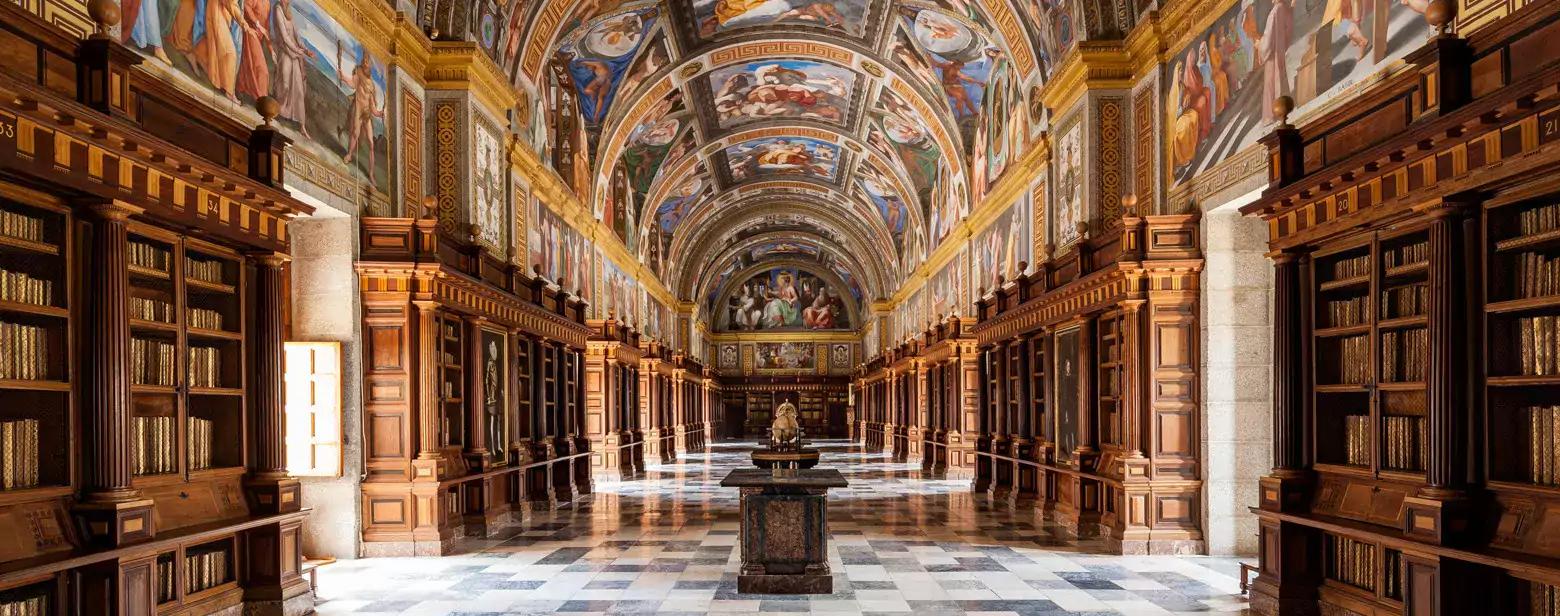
[
  {"x": 691, "y": 70},
  {"x": 872, "y": 68}
]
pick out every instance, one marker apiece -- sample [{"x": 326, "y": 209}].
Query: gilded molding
[{"x": 1097, "y": 65}]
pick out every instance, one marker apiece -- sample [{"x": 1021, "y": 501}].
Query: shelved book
[
  {"x": 1537, "y": 275},
  {"x": 205, "y": 367},
  {"x": 201, "y": 318},
  {"x": 150, "y": 257},
  {"x": 1545, "y": 600},
  {"x": 1351, "y": 268},
  {"x": 1356, "y": 440},
  {"x": 1404, "y": 442},
  {"x": 1351, "y": 562},
  {"x": 21, "y": 226},
  {"x": 1346, "y": 312},
  {"x": 1537, "y": 350},
  {"x": 1544, "y": 444},
  {"x": 1411, "y": 254},
  {"x": 199, "y": 434},
  {"x": 1540, "y": 219},
  {"x": 147, "y": 309},
  {"x": 205, "y": 570},
  {"x": 151, "y": 362},
  {"x": 202, "y": 270},
  {"x": 152, "y": 449},
  {"x": 167, "y": 581},
  {"x": 37, "y": 605},
  {"x": 24, "y": 352},
  {"x": 1354, "y": 360},
  {"x": 1403, "y": 355},
  {"x": 19, "y": 454},
  {"x": 23, "y": 289},
  {"x": 1405, "y": 301}
]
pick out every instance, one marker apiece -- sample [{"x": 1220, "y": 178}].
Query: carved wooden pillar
[
  {"x": 1286, "y": 487},
  {"x": 1438, "y": 513},
  {"x": 1134, "y": 415},
  {"x": 270, "y": 488},
  {"x": 112, "y": 511},
  {"x": 1087, "y": 452},
  {"x": 429, "y": 464},
  {"x": 476, "y": 437}
]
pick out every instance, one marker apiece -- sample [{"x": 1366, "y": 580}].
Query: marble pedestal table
[{"x": 785, "y": 529}]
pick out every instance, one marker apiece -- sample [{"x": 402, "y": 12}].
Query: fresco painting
[
  {"x": 561, "y": 252},
  {"x": 795, "y": 89},
  {"x": 784, "y": 356},
  {"x": 332, "y": 91},
  {"x": 900, "y": 134},
  {"x": 1069, "y": 185},
  {"x": 945, "y": 289},
  {"x": 784, "y": 298},
  {"x": 879, "y": 191},
  {"x": 783, "y": 248},
  {"x": 719, "y": 16},
  {"x": 961, "y": 60},
  {"x": 1222, "y": 85},
  {"x": 487, "y": 185},
  {"x": 620, "y": 294},
  {"x": 1052, "y": 24},
  {"x": 997, "y": 250},
  {"x": 599, "y": 56},
  {"x": 783, "y": 156}
]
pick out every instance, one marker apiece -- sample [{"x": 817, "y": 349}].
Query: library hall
[{"x": 740, "y": 307}]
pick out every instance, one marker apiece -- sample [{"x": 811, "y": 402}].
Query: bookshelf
[
  {"x": 187, "y": 356},
  {"x": 1522, "y": 314},
  {"x": 1110, "y": 368},
  {"x": 36, "y": 318},
  {"x": 452, "y": 379},
  {"x": 1371, "y": 341}
]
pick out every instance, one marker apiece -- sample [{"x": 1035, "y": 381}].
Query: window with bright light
[{"x": 313, "y": 379}]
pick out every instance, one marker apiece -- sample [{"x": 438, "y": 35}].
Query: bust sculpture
[{"x": 784, "y": 432}]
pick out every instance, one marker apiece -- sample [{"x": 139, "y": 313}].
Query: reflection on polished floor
[{"x": 900, "y": 543}]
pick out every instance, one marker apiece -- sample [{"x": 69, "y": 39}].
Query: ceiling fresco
[{"x": 726, "y": 136}]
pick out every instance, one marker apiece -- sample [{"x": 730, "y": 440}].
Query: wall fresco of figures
[
  {"x": 946, "y": 290},
  {"x": 1070, "y": 187},
  {"x": 785, "y": 356},
  {"x": 489, "y": 204},
  {"x": 998, "y": 249},
  {"x": 715, "y": 17},
  {"x": 1221, "y": 86},
  {"x": 618, "y": 294},
  {"x": 598, "y": 57},
  {"x": 561, "y": 251},
  {"x": 331, "y": 89},
  {"x": 784, "y": 299}
]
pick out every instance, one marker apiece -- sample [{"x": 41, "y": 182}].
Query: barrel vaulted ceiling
[{"x": 844, "y": 137}]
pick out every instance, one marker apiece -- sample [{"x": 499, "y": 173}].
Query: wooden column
[
  {"x": 476, "y": 437},
  {"x": 1439, "y": 512},
  {"x": 270, "y": 488},
  {"x": 1286, "y": 488},
  {"x": 114, "y": 513},
  {"x": 430, "y": 458}
]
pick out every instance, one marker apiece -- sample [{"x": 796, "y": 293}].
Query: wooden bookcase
[
  {"x": 1412, "y": 232},
  {"x": 488, "y": 358},
  {"x": 37, "y": 402},
  {"x": 188, "y": 357},
  {"x": 129, "y": 234}
]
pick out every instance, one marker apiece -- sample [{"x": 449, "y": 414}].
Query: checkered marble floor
[{"x": 899, "y": 543}]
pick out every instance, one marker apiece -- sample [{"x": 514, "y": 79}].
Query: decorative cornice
[
  {"x": 409, "y": 47},
  {"x": 461, "y": 65},
  {"x": 1096, "y": 65}
]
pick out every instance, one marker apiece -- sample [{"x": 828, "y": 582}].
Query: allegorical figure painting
[
  {"x": 785, "y": 299},
  {"x": 890, "y": 206},
  {"x": 783, "y": 156},
  {"x": 563, "y": 253},
  {"x": 599, "y": 56},
  {"x": 755, "y": 91},
  {"x": 960, "y": 62},
  {"x": 1221, "y": 87},
  {"x": 784, "y": 356},
  {"x": 717, "y": 16},
  {"x": 331, "y": 90},
  {"x": 997, "y": 250}
]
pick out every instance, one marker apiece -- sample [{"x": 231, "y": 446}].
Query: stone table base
[{"x": 785, "y": 530}]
